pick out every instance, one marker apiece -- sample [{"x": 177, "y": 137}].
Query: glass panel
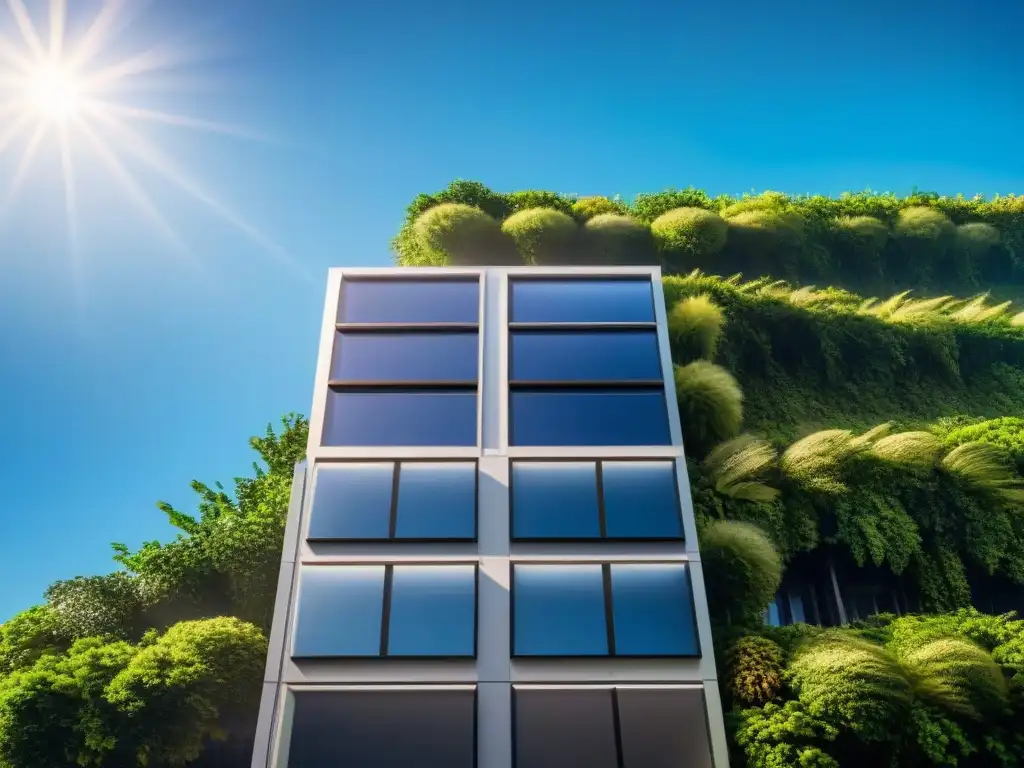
[
  {"x": 564, "y": 729},
  {"x": 796, "y": 608},
  {"x": 664, "y": 728},
  {"x": 585, "y": 356},
  {"x": 406, "y": 301},
  {"x": 559, "y": 611},
  {"x": 383, "y": 729},
  {"x": 556, "y": 500},
  {"x": 433, "y": 611},
  {"x": 405, "y": 357},
  {"x": 626, "y": 417},
  {"x": 400, "y": 418},
  {"x": 652, "y": 607},
  {"x": 351, "y": 501},
  {"x": 339, "y": 610},
  {"x": 576, "y": 300},
  {"x": 640, "y": 500},
  {"x": 771, "y": 614},
  {"x": 436, "y": 501}
]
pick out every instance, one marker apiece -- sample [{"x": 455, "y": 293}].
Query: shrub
[
  {"x": 695, "y": 326},
  {"x": 959, "y": 675},
  {"x": 853, "y": 682},
  {"x": 689, "y": 233},
  {"x": 754, "y": 670},
  {"x": 710, "y": 405},
  {"x": 542, "y": 235},
  {"x": 587, "y": 208},
  {"x": 761, "y": 241},
  {"x": 860, "y": 240},
  {"x": 977, "y": 237},
  {"x": 526, "y": 199},
  {"x": 610, "y": 238},
  {"x": 923, "y": 223},
  {"x": 464, "y": 234},
  {"x": 742, "y": 571}
]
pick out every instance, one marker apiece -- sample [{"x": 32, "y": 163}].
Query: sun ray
[
  {"x": 156, "y": 58},
  {"x": 136, "y": 193},
  {"x": 58, "y": 13},
  {"x": 96, "y": 35},
  {"x": 71, "y": 210},
  {"x": 155, "y": 159},
  {"x": 8, "y": 52},
  {"x": 14, "y": 130},
  {"x": 22, "y": 170},
  {"x": 169, "y": 118},
  {"x": 27, "y": 28}
]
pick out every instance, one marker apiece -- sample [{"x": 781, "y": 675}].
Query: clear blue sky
[{"x": 117, "y": 392}]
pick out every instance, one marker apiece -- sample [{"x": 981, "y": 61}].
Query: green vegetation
[{"x": 872, "y": 425}]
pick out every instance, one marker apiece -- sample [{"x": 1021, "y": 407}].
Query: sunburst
[{"x": 53, "y": 97}]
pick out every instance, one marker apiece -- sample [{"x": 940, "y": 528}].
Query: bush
[
  {"x": 742, "y": 571},
  {"x": 611, "y": 238},
  {"x": 543, "y": 235},
  {"x": 695, "y": 326},
  {"x": 977, "y": 237},
  {"x": 526, "y": 199},
  {"x": 689, "y": 234},
  {"x": 710, "y": 405},
  {"x": 463, "y": 234},
  {"x": 860, "y": 240},
  {"x": 754, "y": 671},
  {"x": 587, "y": 208},
  {"x": 923, "y": 224}
]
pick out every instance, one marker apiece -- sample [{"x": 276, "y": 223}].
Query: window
[
  {"x": 357, "y": 501},
  {"x": 585, "y": 356},
  {"x": 584, "y": 364},
  {"x": 618, "y": 609},
  {"x": 582, "y": 300},
  {"x": 572, "y": 417},
  {"x": 409, "y": 302},
  {"x": 618, "y": 727},
  {"x": 361, "y": 356},
  {"x": 405, "y": 364},
  {"x": 401, "y": 418},
  {"x": 385, "y": 610},
  {"x": 570, "y": 500},
  {"x": 384, "y": 727}
]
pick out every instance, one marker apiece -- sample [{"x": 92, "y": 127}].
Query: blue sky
[{"x": 127, "y": 377}]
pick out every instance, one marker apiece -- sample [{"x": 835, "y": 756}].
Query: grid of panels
[
  {"x": 405, "y": 364},
  {"x": 584, "y": 363},
  {"x": 597, "y": 339}
]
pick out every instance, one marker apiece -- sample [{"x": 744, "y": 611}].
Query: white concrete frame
[{"x": 494, "y": 670}]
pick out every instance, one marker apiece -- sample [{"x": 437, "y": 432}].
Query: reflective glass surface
[
  {"x": 397, "y": 357},
  {"x": 384, "y": 728},
  {"x": 339, "y": 611},
  {"x": 580, "y": 417},
  {"x": 664, "y": 728},
  {"x": 564, "y": 728},
  {"x": 640, "y": 500},
  {"x": 351, "y": 501},
  {"x": 554, "y": 500},
  {"x": 581, "y": 300},
  {"x": 652, "y": 606},
  {"x": 585, "y": 356},
  {"x": 406, "y": 418},
  {"x": 408, "y": 301},
  {"x": 433, "y": 611},
  {"x": 436, "y": 500},
  {"x": 559, "y": 611}
]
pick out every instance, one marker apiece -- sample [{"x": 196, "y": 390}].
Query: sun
[{"x": 56, "y": 93}]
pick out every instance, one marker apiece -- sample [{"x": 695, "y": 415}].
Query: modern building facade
[{"x": 491, "y": 558}]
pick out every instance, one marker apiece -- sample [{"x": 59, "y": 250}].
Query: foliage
[
  {"x": 742, "y": 570},
  {"x": 454, "y": 233},
  {"x": 542, "y": 235},
  {"x": 710, "y": 404},
  {"x": 611, "y": 238},
  {"x": 779, "y": 736},
  {"x": 30, "y": 634},
  {"x": 89, "y": 606},
  {"x": 754, "y": 669},
  {"x": 694, "y": 327},
  {"x": 689, "y": 235},
  {"x": 1006, "y": 432},
  {"x": 587, "y": 208}
]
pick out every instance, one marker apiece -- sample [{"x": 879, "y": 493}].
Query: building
[{"x": 490, "y": 558}]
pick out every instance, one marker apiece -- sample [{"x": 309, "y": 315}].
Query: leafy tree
[{"x": 29, "y": 635}]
